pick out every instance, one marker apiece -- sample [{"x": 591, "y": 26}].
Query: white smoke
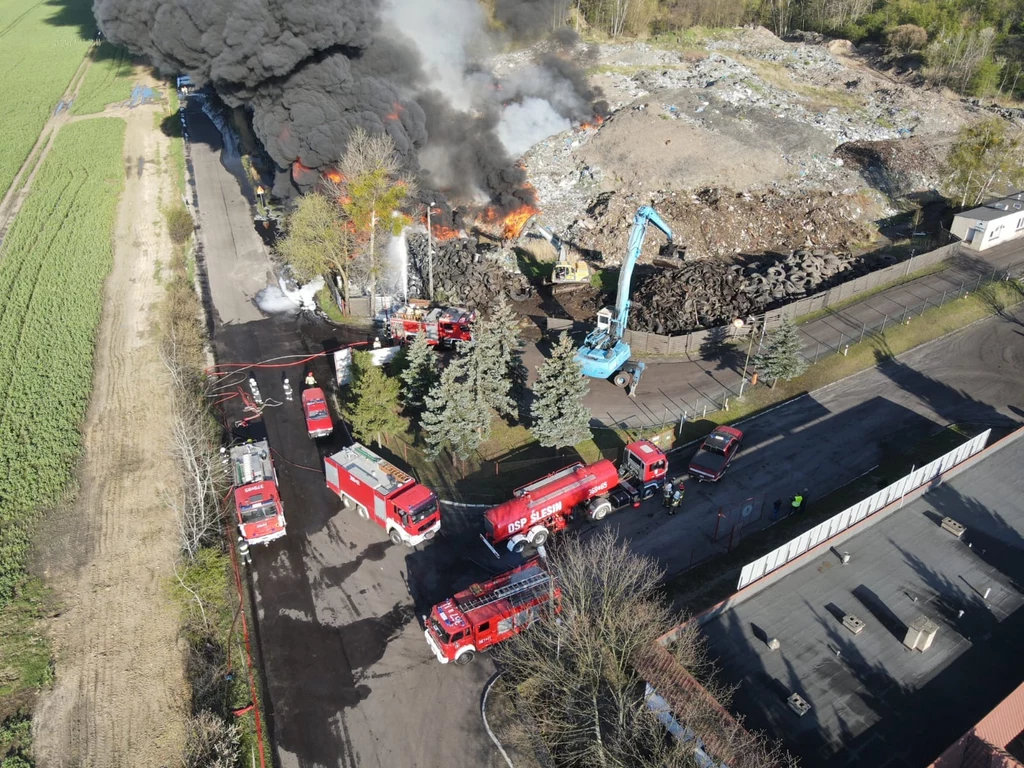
[
  {"x": 528, "y": 122},
  {"x": 287, "y": 297},
  {"x": 449, "y": 35}
]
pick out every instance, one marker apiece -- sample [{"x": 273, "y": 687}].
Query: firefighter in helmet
[
  {"x": 666, "y": 493},
  {"x": 310, "y": 379},
  {"x": 677, "y": 499}
]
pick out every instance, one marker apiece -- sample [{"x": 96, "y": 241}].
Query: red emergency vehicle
[
  {"x": 546, "y": 505},
  {"x": 487, "y": 613},
  {"x": 441, "y": 325},
  {"x": 382, "y": 492},
  {"x": 318, "y": 416},
  {"x": 257, "y": 501}
]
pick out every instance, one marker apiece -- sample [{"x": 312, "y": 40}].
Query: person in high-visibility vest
[
  {"x": 797, "y": 503},
  {"x": 310, "y": 379}
]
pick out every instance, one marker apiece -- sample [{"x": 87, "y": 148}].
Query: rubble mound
[
  {"x": 721, "y": 223},
  {"x": 706, "y": 294},
  {"x": 466, "y": 272}
]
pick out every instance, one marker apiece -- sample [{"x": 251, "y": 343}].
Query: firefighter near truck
[
  {"x": 258, "y": 507},
  {"x": 487, "y": 613},
  {"x": 381, "y": 492},
  {"x": 547, "y": 505}
]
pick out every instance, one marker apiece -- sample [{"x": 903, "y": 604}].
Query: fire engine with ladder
[
  {"x": 381, "y": 492},
  {"x": 547, "y": 505},
  {"x": 441, "y": 325},
  {"x": 257, "y": 501},
  {"x": 487, "y": 613}
]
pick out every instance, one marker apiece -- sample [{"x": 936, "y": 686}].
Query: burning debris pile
[
  {"x": 706, "y": 294},
  {"x": 312, "y": 72},
  {"x": 466, "y": 272}
]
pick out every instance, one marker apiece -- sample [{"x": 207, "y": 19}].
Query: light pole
[
  {"x": 737, "y": 323},
  {"x": 430, "y": 251}
]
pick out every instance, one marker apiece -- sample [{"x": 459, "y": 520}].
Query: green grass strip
[{"x": 52, "y": 267}]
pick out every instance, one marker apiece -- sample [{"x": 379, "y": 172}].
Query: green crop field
[
  {"x": 108, "y": 81},
  {"x": 52, "y": 266},
  {"x": 41, "y": 46}
]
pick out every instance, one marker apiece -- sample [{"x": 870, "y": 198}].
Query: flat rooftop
[{"x": 875, "y": 702}]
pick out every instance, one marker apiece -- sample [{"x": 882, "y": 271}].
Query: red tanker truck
[{"x": 546, "y": 505}]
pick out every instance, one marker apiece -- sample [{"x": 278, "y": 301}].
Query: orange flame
[
  {"x": 511, "y": 223},
  {"x": 594, "y": 123},
  {"x": 441, "y": 232},
  {"x": 334, "y": 175},
  {"x": 396, "y": 110}
]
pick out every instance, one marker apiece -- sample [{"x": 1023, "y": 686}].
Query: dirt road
[{"x": 120, "y": 695}]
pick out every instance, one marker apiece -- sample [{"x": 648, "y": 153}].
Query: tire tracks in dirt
[
  {"x": 120, "y": 697},
  {"x": 15, "y": 196}
]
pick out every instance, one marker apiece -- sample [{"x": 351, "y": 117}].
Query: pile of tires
[{"x": 466, "y": 273}]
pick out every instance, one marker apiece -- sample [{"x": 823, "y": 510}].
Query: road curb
[{"x": 483, "y": 716}]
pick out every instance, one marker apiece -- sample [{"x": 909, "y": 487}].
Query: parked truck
[
  {"x": 257, "y": 501},
  {"x": 546, "y": 505},
  {"x": 441, "y": 325},
  {"x": 381, "y": 492},
  {"x": 485, "y": 614}
]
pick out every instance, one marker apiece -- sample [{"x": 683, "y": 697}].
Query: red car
[
  {"x": 715, "y": 454},
  {"x": 318, "y": 416}
]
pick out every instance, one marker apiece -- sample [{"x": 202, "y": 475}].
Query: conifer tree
[
  {"x": 372, "y": 405},
  {"x": 454, "y": 418},
  {"x": 419, "y": 375},
  {"x": 496, "y": 354},
  {"x": 560, "y": 419},
  {"x": 781, "y": 358}
]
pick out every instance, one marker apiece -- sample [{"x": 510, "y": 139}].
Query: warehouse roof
[
  {"x": 873, "y": 700},
  {"x": 996, "y": 209}
]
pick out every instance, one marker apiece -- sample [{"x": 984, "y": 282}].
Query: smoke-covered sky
[{"x": 313, "y": 70}]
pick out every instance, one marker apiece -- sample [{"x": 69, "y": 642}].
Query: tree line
[{"x": 975, "y": 47}]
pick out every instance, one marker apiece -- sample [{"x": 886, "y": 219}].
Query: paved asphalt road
[
  {"x": 670, "y": 387},
  {"x": 350, "y": 678}
]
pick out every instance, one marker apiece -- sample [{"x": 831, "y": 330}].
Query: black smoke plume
[{"x": 311, "y": 71}]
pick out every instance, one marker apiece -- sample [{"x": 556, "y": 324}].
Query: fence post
[
  {"x": 817, "y": 349},
  {"x": 960, "y": 293},
  {"x": 840, "y": 346},
  {"x": 943, "y": 302},
  {"x": 884, "y": 321},
  {"x": 863, "y": 328}
]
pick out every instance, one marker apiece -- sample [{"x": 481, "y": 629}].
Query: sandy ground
[{"x": 120, "y": 695}]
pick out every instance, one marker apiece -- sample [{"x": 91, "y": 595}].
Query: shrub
[
  {"x": 179, "y": 224},
  {"x": 906, "y": 38}
]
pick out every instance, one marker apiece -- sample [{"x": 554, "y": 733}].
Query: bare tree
[
  {"x": 196, "y": 500},
  {"x": 576, "y": 678}
]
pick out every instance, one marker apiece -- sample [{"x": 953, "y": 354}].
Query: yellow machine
[{"x": 567, "y": 274}]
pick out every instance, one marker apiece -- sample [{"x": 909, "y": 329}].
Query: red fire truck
[
  {"x": 487, "y": 613},
  {"x": 257, "y": 502},
  {"x": 382, "y": 492},
  {"x": 546, "y": 505},
  {"x": 441, "y": 325}
]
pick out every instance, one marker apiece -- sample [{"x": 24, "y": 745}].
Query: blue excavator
[{"x": 604, "y": 354}]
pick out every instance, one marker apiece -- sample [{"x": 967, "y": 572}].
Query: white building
[{"x": 991, "y": 224}]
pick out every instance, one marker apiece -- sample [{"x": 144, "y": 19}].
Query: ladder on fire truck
[{"x": 530, "y": 584}]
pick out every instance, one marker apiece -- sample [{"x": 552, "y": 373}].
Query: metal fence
[
  {"x": 848, "y": 517},
  {"x": 656, "y": 344}
]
